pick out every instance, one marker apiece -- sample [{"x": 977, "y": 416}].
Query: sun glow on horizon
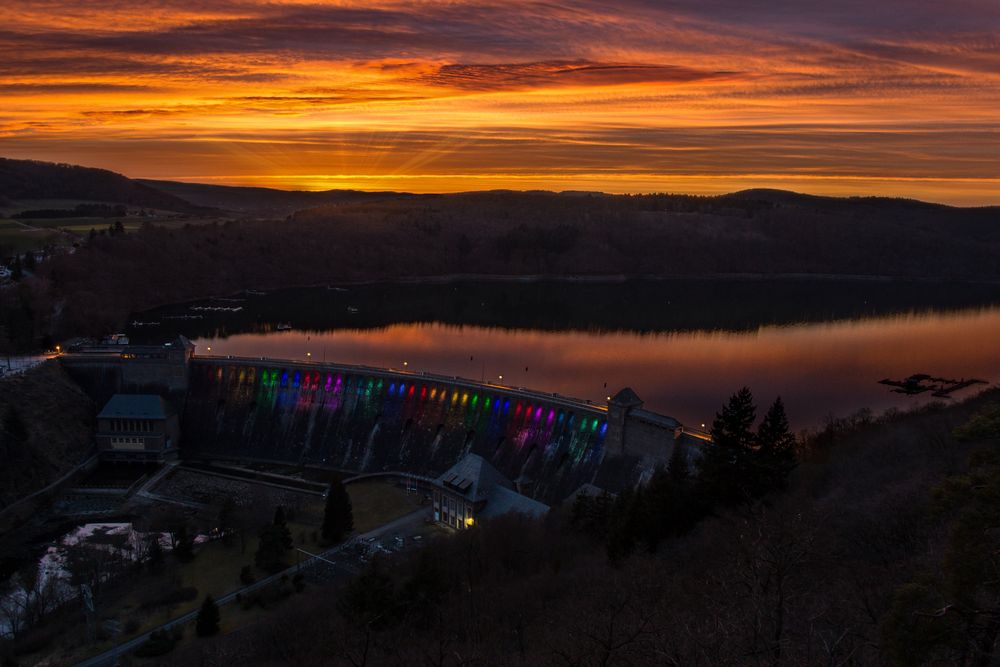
[{"x": 837, "y": 99}]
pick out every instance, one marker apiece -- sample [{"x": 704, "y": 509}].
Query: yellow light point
[
  {"x": 433, "y": 392},
  {"x": 465, "y": 398},
  {"x": 469, "y": 521}
]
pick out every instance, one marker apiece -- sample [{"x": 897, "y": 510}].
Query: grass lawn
[
  {"x": 377, "y": 503},
  {"x": 16, "y": 238}
]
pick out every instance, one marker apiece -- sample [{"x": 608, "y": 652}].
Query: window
[{"x": 128, "y": 442}]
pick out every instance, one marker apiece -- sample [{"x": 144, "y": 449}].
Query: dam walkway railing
[{"x": 402, "y": 374}]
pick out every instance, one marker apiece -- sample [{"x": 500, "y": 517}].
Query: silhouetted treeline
[
  {"x": 262, "y": 202},
  {"x": 78, "y": 211},
  {"x": 740, "y": 467},
  {"x": 30, "y": 179},
  {"x": 513, "y": 234},
  {"x": 860, "y": 561}
]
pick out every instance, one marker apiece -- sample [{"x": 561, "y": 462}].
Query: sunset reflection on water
[{"x": 821, "y": 369}]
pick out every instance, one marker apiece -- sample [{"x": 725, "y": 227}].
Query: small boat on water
[
  {"x": 336, "y": 289},
  {"x": 352, "y": 310},
  {"x": 255, "y": 292},
  {"x": 137, "y": 323},
  {"x": 284, "y": 326}
]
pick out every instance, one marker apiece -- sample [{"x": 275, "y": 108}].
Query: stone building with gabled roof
[
  {"x": 473, "y": 489},
  {"x": 137, "y": 427}
]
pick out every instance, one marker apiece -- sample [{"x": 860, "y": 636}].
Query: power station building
[
  {"x": 137, "y": 427},
  {"x": 472, "y": 490}
]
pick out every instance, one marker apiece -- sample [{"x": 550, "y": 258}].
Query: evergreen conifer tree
[
  {"x": 282, "y": 529},
  {"x": 775, "y": 451},
  {"x": 338, "y": 515},
  {"x": 725, "y": 469},
  {"x": 207, "y": 623}
]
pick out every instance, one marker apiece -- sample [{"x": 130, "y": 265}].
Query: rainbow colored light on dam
[{"x": 373, "y": 422}]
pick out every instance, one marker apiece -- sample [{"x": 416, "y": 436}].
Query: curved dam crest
[{"x": 372, "y": 420}]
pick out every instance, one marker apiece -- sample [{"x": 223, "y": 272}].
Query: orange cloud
[{"x": 896, "y": 97}]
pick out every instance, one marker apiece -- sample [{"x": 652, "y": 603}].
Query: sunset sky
[{"x": 896, "y": 97}]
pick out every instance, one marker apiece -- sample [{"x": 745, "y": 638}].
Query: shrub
[
  {"x": 207, "y": 623},
  {"x": 160, "y": 642},
  {"x": 983, "y": 425}
]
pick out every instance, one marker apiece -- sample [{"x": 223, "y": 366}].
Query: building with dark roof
[
  {"x": 472, "y": 489},
  {"x": 137, "y": 427},
  {"x": 116, "y": 366}
]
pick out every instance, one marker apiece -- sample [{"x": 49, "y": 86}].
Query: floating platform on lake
[{"x": 920, "y": 383}]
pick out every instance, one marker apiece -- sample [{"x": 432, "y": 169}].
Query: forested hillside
[
  {"x": 881, "y": 551},
  {"x": 45, "y": 430},
  {"x": 524, "y": 234},
  {"x": 28, "y": 179},
  {"x": 389, "y": 236}
]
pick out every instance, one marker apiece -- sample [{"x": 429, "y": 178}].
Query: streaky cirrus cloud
[{"x": 835, "y": 96}]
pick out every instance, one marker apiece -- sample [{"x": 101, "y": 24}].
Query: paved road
[
  {"x": 110, "y": 657},
  {"x": 11, "y": 366}
]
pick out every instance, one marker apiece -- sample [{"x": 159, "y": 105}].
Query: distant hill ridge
[
  {"x": 258, "y": 200},
  {"x": 32, "y": 179},
  {"x": 28, "y": 179}
]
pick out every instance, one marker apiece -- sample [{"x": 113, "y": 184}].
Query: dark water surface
[{"x": 683, "y": 346}]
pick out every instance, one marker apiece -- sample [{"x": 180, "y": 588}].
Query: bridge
[{"x": 369, "y": 420}]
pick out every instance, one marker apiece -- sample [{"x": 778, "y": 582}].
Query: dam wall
[
  {"x": 368, "y": 420},
  {"x": 372, "y": 420}
]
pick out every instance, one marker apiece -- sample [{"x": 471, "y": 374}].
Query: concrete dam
[{"x": 360, "y": 420}]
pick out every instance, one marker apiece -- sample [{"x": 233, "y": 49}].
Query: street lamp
[
  {"x": 309, "y": 354},
  {"x": 209, "y": 348},
  {"x": 405, "y": 364}
]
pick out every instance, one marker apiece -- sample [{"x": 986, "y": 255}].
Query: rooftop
[
  {"x": 474, "y": 478},
  {"x": 135, "y": 406},
  {"x": 477, "y": 480},
  {"x": 505, "y": 501},
  {"x": 627, "y": 397},
  {"x": 663, "y": 421}
]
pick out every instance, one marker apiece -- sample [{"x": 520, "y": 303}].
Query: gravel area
[{"x": 193, "y": 486}]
